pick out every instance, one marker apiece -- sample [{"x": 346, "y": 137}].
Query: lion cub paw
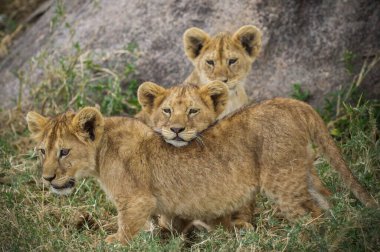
[
  {"x": 114, "y": 238},
  {"x": 240, "y": 224}
]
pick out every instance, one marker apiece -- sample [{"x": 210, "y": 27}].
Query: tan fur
[
  {"x": 243, "y": 46},
  {"x": 260, "y": 148},
  {"x": 209, "y": 100}
]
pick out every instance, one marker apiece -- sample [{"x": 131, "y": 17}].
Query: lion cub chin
[{"x": 225, "y": 57}]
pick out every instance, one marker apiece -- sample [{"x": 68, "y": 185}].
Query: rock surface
[{"x": 304, "y": 41}]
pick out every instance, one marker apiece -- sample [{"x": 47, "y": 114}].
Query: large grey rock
[{"x": 304, "y": 41}]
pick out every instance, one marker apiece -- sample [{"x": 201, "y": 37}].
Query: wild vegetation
[{"x": 33, "y": 219}]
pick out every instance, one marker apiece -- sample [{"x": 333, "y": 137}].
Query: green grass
[
  {"x": 33, "y": 219},
  {"x": 299, "y": 94}
]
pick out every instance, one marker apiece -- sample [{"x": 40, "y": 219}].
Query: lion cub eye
[
  {"x": 193, "y": 111},
  {"x": 167, "y": 111},
  {"x": 210, "y": 62},
  {"x": 232, "y": 61},
  {"x": 42, "y": 151},
  {"x": 64, "y": 152}
]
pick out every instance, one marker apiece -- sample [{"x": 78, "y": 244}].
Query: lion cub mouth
[{"x": 177, "y": 142}]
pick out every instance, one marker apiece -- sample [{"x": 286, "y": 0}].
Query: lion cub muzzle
[
  {"x": 178, "y": 136},
  {"x": 49, "y": 178}
]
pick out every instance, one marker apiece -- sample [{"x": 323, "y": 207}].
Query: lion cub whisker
[{"x": 199, "y": 140}]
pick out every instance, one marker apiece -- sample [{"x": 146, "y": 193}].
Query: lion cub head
[
  {"x": 66, "y": 145},
  {"x": 180, "y": 113},
  {"x": 225, "y": 57}
]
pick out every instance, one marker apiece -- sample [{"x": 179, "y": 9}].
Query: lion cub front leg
[
  {"x": 132, "y": 215},
  {"x": 242, "y": 219}
]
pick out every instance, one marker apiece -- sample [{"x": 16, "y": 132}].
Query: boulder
[{"x": 303, "y": 41}]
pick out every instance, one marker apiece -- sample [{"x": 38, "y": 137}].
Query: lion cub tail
[{"x": 321, "y": 137}]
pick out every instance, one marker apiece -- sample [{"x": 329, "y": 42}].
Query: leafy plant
[
  {"x": 299, "y": 94},
  {"x": 335, "y": 101},
  {"x": 80, "y": 80},
  {"x": 59, "y": 14},
  {"x": 348, "y": 60}
]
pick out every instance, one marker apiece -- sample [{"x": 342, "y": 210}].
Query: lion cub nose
[
  {"x": 177, "y": 130},
  {"x": 49, "y": 178},
  {"x": 223, "y": 79}
]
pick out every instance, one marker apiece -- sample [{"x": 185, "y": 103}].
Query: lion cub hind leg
[
  {"x": 289, "y": 188},
  {"x": 297, "y": 203},
  {"x": 317, "y": 190}
]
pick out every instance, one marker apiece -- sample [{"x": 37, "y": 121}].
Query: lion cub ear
[
  {"x": 249, "y": 37},
  {"x": 88, "y": 124},
  {"x": 148, "y": 94},
  {"x": 216, "y": 93},
  {"x": 36, "y": 124},
  {"x": 193, "y": 40}
]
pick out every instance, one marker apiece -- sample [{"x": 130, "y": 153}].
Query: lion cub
[
  {"x": 225, "y": 57},
  {"x": 262, "y": 148},
  {"x": 180, "y": 114}
]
